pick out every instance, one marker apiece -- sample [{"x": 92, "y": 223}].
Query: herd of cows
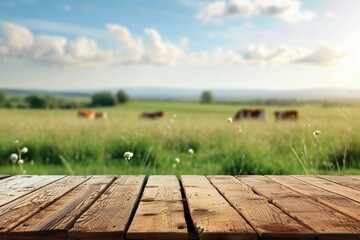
[{"x": 258, "y": 114}]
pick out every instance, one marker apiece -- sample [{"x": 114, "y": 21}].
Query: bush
[
  {"x": 206, "y": 97},
  {"x": 35, "y": 101},
  {"x": 122, "y": 97},
  {"x": 103, "y": 99}
]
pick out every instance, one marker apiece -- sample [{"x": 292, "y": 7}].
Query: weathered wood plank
[
  {"x": 332, "y": 187},
  {"x": 6, "y": 183},
  {"x": 343, "y": 180},
  {"x": 4, "y": 176},
  {"x": 268, "y": 220},
  {"x": 18, "y": 211},
  {"x": 23, "y": 186},
  {"x": 109, "y": 217},
  {"x": 327, "y": 223},
  {"x": 335, "y": 201},
  {"x": 212, "y": 215},
  {"x": 55, "y": 220},
  {"x": 160, "y": 214}
]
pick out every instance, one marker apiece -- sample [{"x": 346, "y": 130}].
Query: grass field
[{"x": 61, "y": 143}]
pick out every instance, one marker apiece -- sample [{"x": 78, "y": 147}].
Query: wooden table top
[{"x": 196, "y": 207}]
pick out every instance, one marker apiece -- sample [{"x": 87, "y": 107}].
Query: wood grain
[
  {"x": 268, "y": 220},
  {"x": 109, "y": 217},
  {"x": 160, "y": 214},
  {"x": 20, "y": 210},
  {"x": 343, "y": 180},
  {"x": 326, "y": 222},
  {"x": 335, "y": 201},
  {"x": 332, "y": 187},
  {"x": 55, "y": 220},
  {"x": 212, "y": 216},
  {"x": 18, "y": 187}
]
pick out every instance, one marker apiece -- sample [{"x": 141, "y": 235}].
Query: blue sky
[{"x": 276, "y": 44}]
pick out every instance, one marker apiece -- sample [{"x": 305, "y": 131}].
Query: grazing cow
[
  {"x": 152, "y": 115},
  {"x": 258, "y": 114},
  {"x": 287, "y": 115},
  {"x": 90, "y": 114}
]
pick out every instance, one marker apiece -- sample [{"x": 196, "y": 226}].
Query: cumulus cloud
[
  {"x": 154, "y": 51},
  {"x": 19, "y": 44},
  {"x": 323, "y": 55},
  {"x": 287, "y": 10}
]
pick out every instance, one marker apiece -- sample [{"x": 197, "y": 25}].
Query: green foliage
[
  {"x": 122, "y": 97},
  {"x": 103, "y": 99},
  {"x": 206, "y": 97},
  {"x": 35, "y": 101},
  {"x": 2, "y": 99}
]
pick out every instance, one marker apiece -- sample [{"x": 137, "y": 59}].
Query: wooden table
[{"x": 196, "y": 207}]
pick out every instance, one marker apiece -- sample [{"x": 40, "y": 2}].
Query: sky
[{"x": 194, "y": 44}]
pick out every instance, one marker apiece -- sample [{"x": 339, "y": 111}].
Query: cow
[
  {"x": 258, "y": 114},
  {"x": 152, "y": 115},
  {"x": 90, "y": 114},
  {"x": 286, "y": 115}
]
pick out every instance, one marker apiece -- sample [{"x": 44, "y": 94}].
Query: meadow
[{"x": 61, "y": 143}]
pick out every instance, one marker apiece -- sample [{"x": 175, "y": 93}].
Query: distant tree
[
  {"x": 122, "y": 97},
  {"x": 2, "y": 99},
  {"x": 206, "y": 97},
  {"x": 35, "y": 101},
  {"x": 103, "y": 99}
]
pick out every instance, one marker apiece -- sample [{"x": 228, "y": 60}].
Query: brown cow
[
  {"x": 258, "y": 114},
  {"x": 90, "y": 114},
  {"x": 286, "y": 115},
  {"x": 152, "y": 115}
]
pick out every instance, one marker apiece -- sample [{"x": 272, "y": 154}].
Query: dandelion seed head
[
  {"x": 177, "y": 160},
  {"x": 191, "y": 151},
  {"x": 128, "y": 155},
  {"x": 24, "y": 150},
  {"x": 21, "y": 161},
  {"x": 14, "y": 157},
  {"x": 316, "y": 133},
  {"x": 230, "y": 120}
]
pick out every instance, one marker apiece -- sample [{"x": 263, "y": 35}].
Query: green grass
[{"x": 97, "y": 147}]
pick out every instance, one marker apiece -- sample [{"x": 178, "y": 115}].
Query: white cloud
[
  {"x": 156, "y": 51},
  {"x": 287, "y": 10},
  {"x": 323, "y": 55},
  {"x": 19, "y": 44},
  {"x": 329, "y": 14}
]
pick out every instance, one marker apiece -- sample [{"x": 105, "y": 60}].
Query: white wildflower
[
  {"x": 316, "y": 133},
  {"x": 21, "y": 161},
  {"x": 230, "y": 120},
  {"x": 177, "y": 160},
  {"x": 24, "y": 150},
  {"x": 128, "y": 155},
  {"x": 191, "y": 151},
  {"x": 14, "y": 157}
]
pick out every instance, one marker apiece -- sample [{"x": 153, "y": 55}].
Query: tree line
[{"x": 51, "y": 102}]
